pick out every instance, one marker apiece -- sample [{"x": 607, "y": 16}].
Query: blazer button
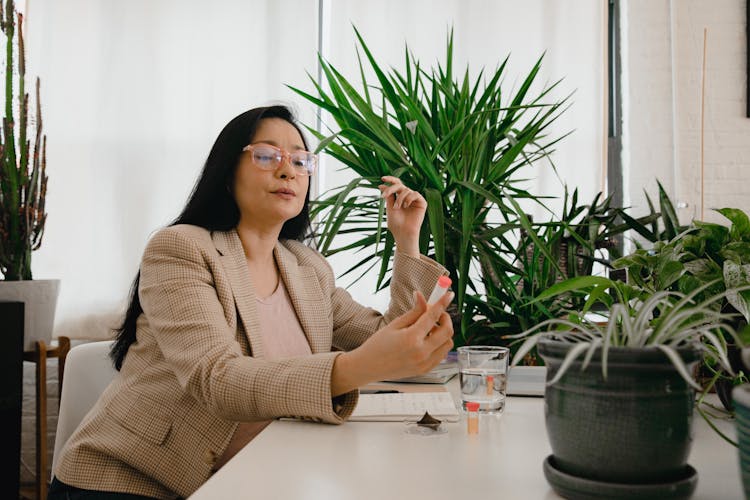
[{"x": 209, "y": 457}]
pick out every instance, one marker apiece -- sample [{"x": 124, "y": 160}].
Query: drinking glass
[{"x": 483, "y": 375}]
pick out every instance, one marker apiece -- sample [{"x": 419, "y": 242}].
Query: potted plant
[
  {"x": 700, "y": 253},
  {"x": 514, "y": 280},
  {"x": 466, "y": 144},
  {"x": 656, "y": 225},
  {"x": 23, "y": 188},
  {"x": 619, "y": 396}
]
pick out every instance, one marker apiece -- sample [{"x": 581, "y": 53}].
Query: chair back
[{"x": 88, "y": 371}]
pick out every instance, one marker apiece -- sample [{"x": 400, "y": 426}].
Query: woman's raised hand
[
  {"x": 405, "y": 209},
  {"x": 412, "y": 344}
]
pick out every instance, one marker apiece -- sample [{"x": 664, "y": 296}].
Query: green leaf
[
  {"x": 738, "y": 276},
  {"x": 703, "y": 269},
  {"x": 570, "y": 357},
  {"x": 668, "y": 273},
  {"x": 740, "y": 230},
  {"x": 679, "y": 364},
  {"x": 436, "y": 220},
  {"x": 712, "y": 237},
  {"x": 385, "y": 258},
  {"x": 337, "y": 216},
  {"x": 654, "y": 224},
  {"x": 576, "y": 284},
  {"x": 325, "y": 142},
  {"x": 671, "y": 222},
  {"x": 738, "y": 251}
]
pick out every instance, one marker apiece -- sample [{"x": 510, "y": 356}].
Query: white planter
[{"x": 40, "y": 300}]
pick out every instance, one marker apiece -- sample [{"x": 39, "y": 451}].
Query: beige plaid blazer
[{"x": 197, "y": 368}]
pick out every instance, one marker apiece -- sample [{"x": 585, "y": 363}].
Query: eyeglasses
[{"x": 267, "y": 157}]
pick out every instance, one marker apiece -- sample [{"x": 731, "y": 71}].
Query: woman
[{"x": 232, "y": 322}]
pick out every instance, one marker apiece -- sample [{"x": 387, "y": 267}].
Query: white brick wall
[{"x": 662, "y": 60}]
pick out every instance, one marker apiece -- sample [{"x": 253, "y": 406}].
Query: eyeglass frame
[{"x": 281, "y": 154}]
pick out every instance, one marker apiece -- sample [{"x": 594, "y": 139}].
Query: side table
[{"x": 40, "y": 356}]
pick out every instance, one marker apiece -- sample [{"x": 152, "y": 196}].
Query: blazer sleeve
[
  {"x": 354, "y": 323},
  {"x": 194, "y": 331}
]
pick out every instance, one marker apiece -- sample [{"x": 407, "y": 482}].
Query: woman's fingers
[
  {"x": 398, "y": 193},
  {"x": 426, "y": 322},
  {"x": 441, "y": 332},
  {"x": 409, "y": 317},
  {"x": 410, "y": 198},
  {"x": 437, "y": 345},
  {"x": 422, "y": 319},
  {"x": 440, "y": 353},
  {"x": 391, "y": 178}
]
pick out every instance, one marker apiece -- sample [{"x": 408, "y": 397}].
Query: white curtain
[{"x": 134, "y": 94}]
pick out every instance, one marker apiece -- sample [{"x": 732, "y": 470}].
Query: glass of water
[{"x": 483, "y": 374}]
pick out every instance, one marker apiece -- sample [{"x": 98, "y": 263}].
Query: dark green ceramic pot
[
  {"x": 741, "y": 395},
  {"x": 633, "y": 427}
]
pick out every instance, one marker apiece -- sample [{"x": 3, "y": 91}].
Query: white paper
[{"x": 405, "y": 406}]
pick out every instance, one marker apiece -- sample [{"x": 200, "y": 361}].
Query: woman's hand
[
  {"x": 412, "y": 344},
  {"x": 405, "y": 211}
]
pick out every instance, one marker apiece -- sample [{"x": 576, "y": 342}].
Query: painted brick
[{"x": 664, "y": 47}]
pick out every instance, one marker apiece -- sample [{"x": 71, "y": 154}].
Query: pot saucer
[{"x": 579, "y": 488}]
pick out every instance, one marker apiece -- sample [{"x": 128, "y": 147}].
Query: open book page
[
  {"x": 441, "y": 374},
  {"x": 405, "y": 406},
  {"x": 375, "y": 387}
]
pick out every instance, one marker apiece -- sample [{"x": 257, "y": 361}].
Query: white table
[{"x": 378, "y": 460}]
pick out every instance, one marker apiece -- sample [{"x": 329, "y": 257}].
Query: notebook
[
  {"x": 405, "y": 406},
  {"x": 441, "y": 374},
  {"x": 527, "y": 381}
]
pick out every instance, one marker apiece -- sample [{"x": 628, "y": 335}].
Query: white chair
[{"x": 88, "y": 371}]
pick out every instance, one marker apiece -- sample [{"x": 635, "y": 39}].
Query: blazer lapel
[
  {"x": 233, "y": 259},
  {"x": 304, "y": 290}
]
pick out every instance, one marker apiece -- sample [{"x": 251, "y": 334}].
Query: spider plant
[{"x": 665, "y": 320}]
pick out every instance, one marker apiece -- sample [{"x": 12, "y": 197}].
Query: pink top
[
  {"x": 282, "y": 337},
  {"x": 280, "y": 330}
]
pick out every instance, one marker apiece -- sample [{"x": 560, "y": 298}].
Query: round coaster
[
  {"x": 419, "y": 430},
  {"x": 579, "y": 488}
]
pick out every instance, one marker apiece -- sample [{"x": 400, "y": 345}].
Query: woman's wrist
[
  {"x": 408, "y": 248},
  {"x": 347, "y": 374}
]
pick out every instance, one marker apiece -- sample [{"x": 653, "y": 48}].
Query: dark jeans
[{"x": 61, "y": 491}]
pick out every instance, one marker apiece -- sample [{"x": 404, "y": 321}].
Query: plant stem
[{"x": 716, "y": 429}]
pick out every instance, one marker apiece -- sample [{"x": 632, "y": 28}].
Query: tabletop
[{"x": 374, "y": 460}]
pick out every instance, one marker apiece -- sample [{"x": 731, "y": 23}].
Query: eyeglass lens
[{"x": 269, "y": 157}]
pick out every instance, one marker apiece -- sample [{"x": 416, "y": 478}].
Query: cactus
[{"x": 23, "y": 178}]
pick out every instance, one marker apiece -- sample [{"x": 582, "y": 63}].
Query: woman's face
[{"x": 268, "y": 198}]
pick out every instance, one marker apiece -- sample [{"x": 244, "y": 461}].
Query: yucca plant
[
  {"x": 464, "y": 142},
  {"x": 23, "y": 178}
]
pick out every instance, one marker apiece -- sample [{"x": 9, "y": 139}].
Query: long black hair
[{"x": 212, "y": 206}]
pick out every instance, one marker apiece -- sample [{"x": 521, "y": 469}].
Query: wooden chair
[{"x": 40, "y": 356}]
